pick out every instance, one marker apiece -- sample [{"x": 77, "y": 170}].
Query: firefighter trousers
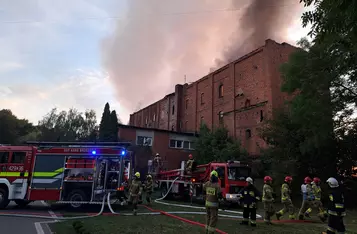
[
  {"x": 288, "y": 207},
  {"x": 269, "y": 211},
  {"x": 305, "y": 206},
  {"x": 211, "y": 219},
  {"x": 321, "y": 211},
  {"x": 133, "y": 199},
  {"x": 148, "y": 197},
  {"x": 250, "y": 213},
  {"x": 335, "y": 224}
]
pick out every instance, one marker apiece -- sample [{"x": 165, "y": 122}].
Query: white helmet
[
  {"x": 332, "y": 182},
  {"x": 249, "y": 180},
  {"x": 157, "y": 154}
]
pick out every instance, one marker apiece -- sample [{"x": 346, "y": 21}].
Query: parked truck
[
  {"x": 74, "y": 173},
  {"x": 231, "y": 174}
]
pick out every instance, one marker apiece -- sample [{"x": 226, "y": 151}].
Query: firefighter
[
  {"x": 336, "y": 208},
  {"x": 148, "y": 188},
  {"x": 157, "y": 163},
  {"x": 135, "y": 190},
  {"x": 307, "y": 198},
  {"x": 189, "y": 164},
  {"x": 268, "y": 200},
  {"x": 316, "y": 189},
  {"x": 286, "y": 199},
  {"x": 212, "y": 190},
  {"x": 249, "y": 196}
]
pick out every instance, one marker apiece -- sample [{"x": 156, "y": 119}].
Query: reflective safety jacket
[
  {"x": 316, "y": 191},
  {"x": 285, "y": 192},
  {"x": 307, "y": 194},
  {"x": 149, "y": 185},
  {"x": 189, "y": 164},
  {"x": 213, "y": 191},
  {"x": 267, "y": 193},
  {"x": 336, "y": 205},
  {"x": 135, "y": 187},
  {"x": 249, "y": 196}
]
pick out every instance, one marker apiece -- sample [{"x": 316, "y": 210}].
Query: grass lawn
[{"x": 164, "y": 224}]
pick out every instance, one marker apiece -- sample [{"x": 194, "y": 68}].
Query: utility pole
[{"x": 185, "y": 80}]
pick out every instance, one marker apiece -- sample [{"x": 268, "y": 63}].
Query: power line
[{"x": 159, "y": 14}]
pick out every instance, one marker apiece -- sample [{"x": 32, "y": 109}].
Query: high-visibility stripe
[{"x": 35, "y": 174}]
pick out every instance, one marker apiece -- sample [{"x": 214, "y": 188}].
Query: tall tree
[
  {"x": 105, "y": 127},
  {"x": 114, "y": 125},
  {"x": 13, "y": 129},
  {"x": 70, "y": 125},
  {"x": 217, "y": 145}
]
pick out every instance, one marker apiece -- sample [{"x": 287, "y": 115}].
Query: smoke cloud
[{"x": 159, "y": 42}]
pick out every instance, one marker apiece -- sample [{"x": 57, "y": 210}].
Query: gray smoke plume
[{"x": 159, "y": 42}]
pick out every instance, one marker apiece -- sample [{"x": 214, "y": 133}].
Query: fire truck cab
[
  {"x": 75, "y": 173},
  {"x": 232, "y": 178}
]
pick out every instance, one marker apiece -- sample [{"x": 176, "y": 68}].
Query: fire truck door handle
[{"x": 22, "y": 173}]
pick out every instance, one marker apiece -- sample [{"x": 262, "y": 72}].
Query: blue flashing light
[
  {"x": 94, "y": 152},
  {"x": 122, "y": 152}
]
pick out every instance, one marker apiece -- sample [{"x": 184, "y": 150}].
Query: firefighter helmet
[
  {"x": 288, "y": 179},
  {"x": 137, "y": 174},
  {"x": 249, "y": 180},
  {"x": 316, "y": 180},
  {"x": 157, "y": 154},
  {"x": 332, "y": 182},
  {"x": 190, "y": 156},
  {"x": 149, "y": 176},
  {"x": 267, "y": 178},
  {"x": 307, "y": 180},
  {"x": 214, "y": 173}
]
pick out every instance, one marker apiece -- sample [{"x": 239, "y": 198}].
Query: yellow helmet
[
  {"x": 137, "y": 174},
  {"x": 214, "y": 173}
]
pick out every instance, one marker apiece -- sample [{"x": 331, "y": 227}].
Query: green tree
[
  {"x": 217, "y": 146},
  {"x": 105, "y": 127},
  {"x": 114, "y": 125},
  {"x": 70, "y": 125},
  {"x": 12, "y": 128}
]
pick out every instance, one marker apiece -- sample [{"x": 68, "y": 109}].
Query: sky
[{"x": 84, "y": 53}]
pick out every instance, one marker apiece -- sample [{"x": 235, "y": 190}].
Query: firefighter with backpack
[
  {"x": 286, "y": 199},
  {"x": 249, "y": 196}
]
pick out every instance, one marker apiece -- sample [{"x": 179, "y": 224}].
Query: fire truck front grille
[{"x": 234, "y": 189}]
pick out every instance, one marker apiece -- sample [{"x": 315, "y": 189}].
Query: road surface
[{"x": 19, "y": 225}]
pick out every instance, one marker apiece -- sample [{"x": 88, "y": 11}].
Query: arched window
[
  {"x": 247, "y": 103},
  {"x": 173, "y": 110},
  {"x": 202, "y": 98},
  {"x": 220, "y": 91}
]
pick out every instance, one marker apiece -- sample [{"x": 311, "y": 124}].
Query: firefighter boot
[
  {"x": 307, "y": 213},
  {"x": 278, "y": 215}
]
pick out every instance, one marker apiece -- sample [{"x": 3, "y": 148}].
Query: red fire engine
[
  {"x": 231, "y": 175},
  {"x": 76, "y": 173}
]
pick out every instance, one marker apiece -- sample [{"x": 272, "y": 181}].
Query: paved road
[{"x": 19, "y": 225}]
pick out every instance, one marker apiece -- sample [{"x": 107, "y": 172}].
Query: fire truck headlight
[
  {"x": 94, "y": 152},
  {"x": 122, "y": 152}
]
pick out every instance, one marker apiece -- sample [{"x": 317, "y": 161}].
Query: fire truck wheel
[
  {"x": 22, "y": 203},
  {"x": 4, "y": 200},
  {"x": 77, "y": 196}
]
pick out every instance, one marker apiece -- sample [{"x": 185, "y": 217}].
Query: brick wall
[{"x": 245, "y": 92}]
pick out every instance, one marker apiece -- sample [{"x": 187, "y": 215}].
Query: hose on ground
[
  {"x": 159, "y": 201},
  {"x": 56, "y": 218}
]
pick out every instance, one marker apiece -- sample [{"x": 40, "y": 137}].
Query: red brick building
[
  {"x": 239, "y": 95},
  {"x": 173, "y": 147}
]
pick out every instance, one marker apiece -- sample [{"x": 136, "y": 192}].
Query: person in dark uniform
[
  {"x": 249, "y": 196},
  {"x": 336, "y": 208}
]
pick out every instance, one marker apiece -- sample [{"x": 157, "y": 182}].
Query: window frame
[
  {"x": 144, "y": 138},
  {"x": 220, "y": 91}
]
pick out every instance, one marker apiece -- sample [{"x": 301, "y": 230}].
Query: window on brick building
[
  {"x": 146, "y": 120},
  {"x": 143, "y": 140},
  {"x": 220, "y": 91},
  {"x": 154, "y": 118},
  {"x": 247, "y": 103},
  {"x": 202, "y": 98},
  {"x": 261, "y": 116},
  {"x": 220, "y": 117},
  {"x": 186, "y": 104},
  {"x": 186, "y": 125},
  {"x": 248, "y": 133},
  {"x": 173, "y": 110},
  {"x": 202, "y": 120}
]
